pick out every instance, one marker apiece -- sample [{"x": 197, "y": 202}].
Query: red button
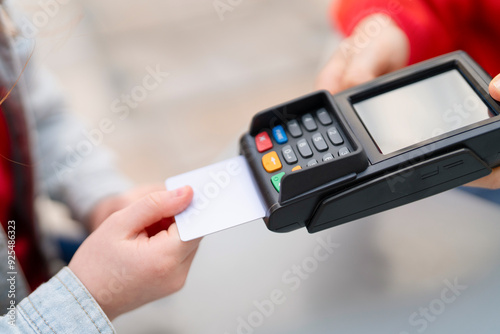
[{"x": 263, "y": 142}]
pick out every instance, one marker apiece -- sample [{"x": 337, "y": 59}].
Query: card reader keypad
[
  {"x": 335, "y": 136},
  {"x": 289, "y": 155},
  {"x": 263, "y": 142},
  {"x": 304, "y": 148},
  {"x": 344, "y": 151},
  {"x": 319, "y": 142},
  {"x": 324, "y": 117},
  {"x": 280, "y": 135},
  {"x": 309, "y": 140},
  {"x": 294, "y": 128},
  {"x": 327, "y": 157},
  {"x": 312, "y": 162},
  {"x": 309, "y": 122}
]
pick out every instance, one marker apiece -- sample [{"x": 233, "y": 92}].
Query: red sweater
[
  {"x": 5, "y": 173},
  {"x": 435, "y": 27},
  {"x": 13, "y": 194}
]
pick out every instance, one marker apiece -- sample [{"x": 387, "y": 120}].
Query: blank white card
[{"x": 225, "y": 195}]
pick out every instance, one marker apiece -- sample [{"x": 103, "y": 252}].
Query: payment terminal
[{"x": 321, "y": 160}]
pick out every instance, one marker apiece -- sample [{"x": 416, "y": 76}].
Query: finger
[
  {"x": 491, "y": 181},
  {"x": 188, "y": 260},
  {"x": 169, "y": 242},
  {"x": 147, "y": 189},
  {"x": 180, "y": 273},
  {"x": 182, "y": 247},
  {"x": 186, "y": 265},
  {"x": 331, "y": 76},
  {"x": 388, "y": 51},
  {"x": 495, "y": 88},
  {"x": 369, "y": 64},
  {"x": 152, "y": 208},
  {"x": 159, "y": 226},
  {"x": 361, "y": 69}
]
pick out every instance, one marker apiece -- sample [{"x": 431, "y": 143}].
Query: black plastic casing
[{"x": 365, "y": 181}]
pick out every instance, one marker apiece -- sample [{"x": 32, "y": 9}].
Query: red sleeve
[{"x": 431, "y": 25}]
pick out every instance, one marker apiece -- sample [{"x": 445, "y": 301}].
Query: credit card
[{"x": 225, "y": 196}]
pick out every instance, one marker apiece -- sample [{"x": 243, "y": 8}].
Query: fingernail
[
  {"x": 180, "y": 192},
  {"x": 496, "y": 83}
]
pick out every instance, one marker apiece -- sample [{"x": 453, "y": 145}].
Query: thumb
[
  {"x": 362, "y": 68},
  {"x": 330, "y": 76},
  {"x": 495, "y": 88},
  {"x": 152, "y": 208}
]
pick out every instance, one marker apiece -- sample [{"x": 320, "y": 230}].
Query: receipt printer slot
[{"x": 404, "y": 186}]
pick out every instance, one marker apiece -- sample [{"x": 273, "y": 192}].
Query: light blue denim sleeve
[{"x": 62, "y": 305}]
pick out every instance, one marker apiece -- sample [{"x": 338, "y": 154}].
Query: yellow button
[
  {"x": 296, "y": 168},
  {"x": 271, "y": 162}
]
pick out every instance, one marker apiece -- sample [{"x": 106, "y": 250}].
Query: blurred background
[{"x": 389, "y": 272}]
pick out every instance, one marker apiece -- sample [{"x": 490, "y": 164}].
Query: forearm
[{"x": 62, "y": 305}]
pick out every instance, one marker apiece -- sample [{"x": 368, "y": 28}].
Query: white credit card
[{"x": 225, "y": 195}]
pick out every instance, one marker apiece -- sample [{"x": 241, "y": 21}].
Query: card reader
[{"x": 321, "y": 160}]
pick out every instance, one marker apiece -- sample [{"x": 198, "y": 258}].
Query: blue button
[{"x": 280, "y": 135}]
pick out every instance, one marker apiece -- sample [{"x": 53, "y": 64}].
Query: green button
[{"x": 276, "y": 180}]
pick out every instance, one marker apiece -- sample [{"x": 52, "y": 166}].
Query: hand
[
  {"x": 377, "y": 46},
  {"x": 111, "y": 204},
  {"x": 491, "y": 181},
  {"x": 365, "y": 55},
  {"x": 124, "y": 267}
]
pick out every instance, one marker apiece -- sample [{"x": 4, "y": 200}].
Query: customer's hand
[
  {"x": 110, "y": 205},
  {"x": 491, "y": 181},
  {"x": 124, "y": 267},
  {"x": 377, "y": 46}
]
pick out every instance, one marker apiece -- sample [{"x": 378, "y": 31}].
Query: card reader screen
[{"x": 420, "y": 111}]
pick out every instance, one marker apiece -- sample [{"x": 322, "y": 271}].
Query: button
[
  {"x": 335, "y": 136},
  {"x": 319, "y": 142},
  {"x": 309, "y": 122},
  {"x": 276, "y": 181},
  {"x": 289, "y": 155},
  {"x": 304, "y": 148},
  {"x": 296, "y": 168},
  {"x": 294, "y": 128},
  {"x": 324, "y": 117},
  {"x": 263, "y": 142},
  {"x": 271, "y": 162},
  {"x": 280, "y": 135},
  {"x": 344, "y": 151},
  {"x": 312, "y": 162},
  {"x": 328, "y": 157}
]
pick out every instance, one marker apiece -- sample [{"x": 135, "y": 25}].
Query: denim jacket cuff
[{"x": 63, "y": 305}]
